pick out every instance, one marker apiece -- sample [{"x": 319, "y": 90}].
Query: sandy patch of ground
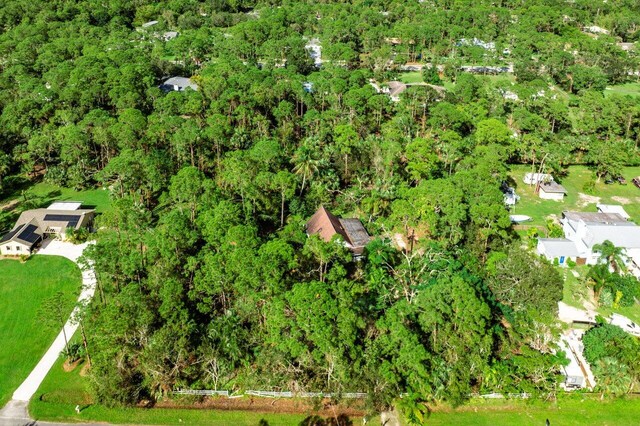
[
  {"x": 587, "y": 199},
  {"x": 621, "y": 200},
  {"x": 10, "y": 205}
]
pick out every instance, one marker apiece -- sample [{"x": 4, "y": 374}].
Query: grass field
[
  {"x": 531, "y": 205},
  {"x": 411, "y": 77},
  {"x": 569, "y": 411},
  {"x": 25, "y": 194},
  {"x": 632, "y": 89},
  {"x": 23, "y": 289},
  {"x": 45, "y": 193},
  {"x": 575, "y": 291}
]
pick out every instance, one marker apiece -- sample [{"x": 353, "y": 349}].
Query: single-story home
[
  {"x": 21, "y": 240},
  {"x": 534, "y": 178},
  {"x": 326, "y": 225},
  {"x": 585, "y": 230},
  {"x": 396, "y": 88},
  {"x": 612, "y": 208},
  {"x": 559, "y": 249},
  {"x": 178, "y": 84},
  {"x": 33, "y": 226},
  {"x": 551, "y": 191}
]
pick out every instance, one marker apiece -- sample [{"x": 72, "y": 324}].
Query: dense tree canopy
[{"x": 206, "y": 278}]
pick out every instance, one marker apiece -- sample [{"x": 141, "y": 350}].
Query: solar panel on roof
[
  {"x": 29, "y": 234},
  {"x": 10, "y": 235},
  {"x": 72, "y": 220}
]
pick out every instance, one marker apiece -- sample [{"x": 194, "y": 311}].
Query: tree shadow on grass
[{"x": 315, "y": 420}]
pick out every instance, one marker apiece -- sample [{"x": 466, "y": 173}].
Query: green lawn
[
  {"x": 25, "y": 195},
  {"x": 45, "y": 193},
  {"x": 575, "y": 291},
  {"x": 411, "y": 77},
  {"x": 569, "y": 411},
  {"x": 632, "y": 89},
  {"x": 23, "y": 289},
  {"x": 531, "y": 205}
]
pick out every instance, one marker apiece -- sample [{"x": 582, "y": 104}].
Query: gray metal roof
[
  {"x": 612, "y": 208},
  {"x": 557, "y": 247},
  {"x": 621, "y": 236},
  {"x": 358, "y": 236},
  {"x": 596, "y": 218},
  {"x": 178, "y": 84},
  {"x": 552, "y": 188}
]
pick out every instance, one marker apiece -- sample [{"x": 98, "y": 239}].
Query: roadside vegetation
[{"x": 25, "y": 288}]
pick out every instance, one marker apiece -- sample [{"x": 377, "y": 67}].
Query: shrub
[
  {"x": 606, "y": 298},
  {"x": 73, "y": 352},
  {"x": 77, "y": 236}
]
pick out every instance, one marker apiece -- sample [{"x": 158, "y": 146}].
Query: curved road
[{"x": 15, "y": 412}]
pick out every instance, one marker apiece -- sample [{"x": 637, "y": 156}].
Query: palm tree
[
  {"x": 305, "y": 164},
  {"x": 598, "y": 276},
  {"x": 613, "y": 376},
  {"x": 611, "y": 255}
]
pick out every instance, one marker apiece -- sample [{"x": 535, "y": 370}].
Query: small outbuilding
[
  {"x": 327, "y": 225},
  {"x": 552, "y": 191}
]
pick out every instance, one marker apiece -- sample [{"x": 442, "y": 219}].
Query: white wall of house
[
  {"x": 14, "y": 248},
  {"x": 555, "y": 196},
  {"x": 562, "y": 260}
]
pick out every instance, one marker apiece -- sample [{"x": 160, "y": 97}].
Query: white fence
[
  {"x": 272, "y": 394},
  {"x": 348, "y": 395}
]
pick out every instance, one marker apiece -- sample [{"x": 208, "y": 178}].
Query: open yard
[
  {"x": 574, "y": 410},
  {"x": 25, "y": 195},
  {"x": 411, "y": 77},
  {"x": 632, "y": 89},
  {"x": 23, "y": 289},
  {"x": 42, "y": 194},
  {"x": 577, "y": 199}
]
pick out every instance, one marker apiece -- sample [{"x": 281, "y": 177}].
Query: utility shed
[
  {"x": 552, "y": 191},
  {"x": 327, "y": 225}
]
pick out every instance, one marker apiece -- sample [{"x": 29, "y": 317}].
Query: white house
[
  {"x": 586, "y": 230},
  {"x": 551, "y": 191},
  {"x": 33, "y": 226},
  {"x": 314, "y": 47}
]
